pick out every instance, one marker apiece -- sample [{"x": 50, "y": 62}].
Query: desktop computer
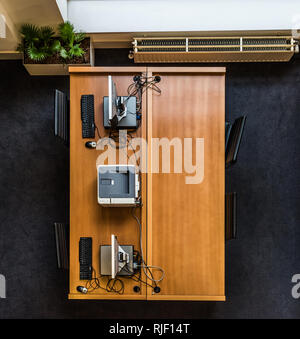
[
  {"x": 119, "y": 112},
  {"x": 116, "y": 259}
]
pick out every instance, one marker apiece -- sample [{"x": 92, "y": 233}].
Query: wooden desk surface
[
  {"x": 183, "y": 225},
  {"x": 186, "y": 221},
  {"x": 87, "y": 217}
]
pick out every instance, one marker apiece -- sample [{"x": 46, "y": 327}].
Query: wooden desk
[
  {"x": 186, "y": 221},
  {"x": 183, "y": 224}
]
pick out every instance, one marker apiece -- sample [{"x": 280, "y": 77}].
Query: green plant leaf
[
  {"x": 66, "y": 31},
  {"x": 63, "y": 53},
  {"x": 56, "y": 46},
  {"x": 46, "y": 33},
  {"x": 40, "y": 43},
  {"x": 68, "y": 37},
  {"x": 37, "y": 42},
  {"x": 76, "y": 51},
  {"x": 36, "y": 54},
  {"x": 21, "y": 47},
  {"x": 30, "y": 32},
  {"x": 79, "y": 37}
]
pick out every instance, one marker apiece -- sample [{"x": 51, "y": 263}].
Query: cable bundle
[{"x": 112, "y": 285}]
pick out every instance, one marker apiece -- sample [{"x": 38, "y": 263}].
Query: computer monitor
[
  {"x": 118, "y": 111},
  {"x": 112, "y": 99},
  {"x": 119, "y": 258}
]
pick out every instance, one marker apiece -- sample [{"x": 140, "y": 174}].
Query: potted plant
[{"x": 46, "y": 53}]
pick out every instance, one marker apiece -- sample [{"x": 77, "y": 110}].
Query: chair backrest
[
  {"x": 61, "y": 116},
  {"x": 61, "y": 245},
  {"x": 234, "y": 140},
  {"x": 228, "y": 127},
  {"x": 230, "y": 216}
]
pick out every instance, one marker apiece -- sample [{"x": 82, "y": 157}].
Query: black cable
[
  {"x": 138, "y": 87},
  {"x": 94, "y": 283},
  {"x": 136, "y": 278},
  {"x": 146, "y": 268},
  {"x": 97, "y": 129},
  {"x": 119, "y": 143},
  {"x": 111, "y": 285},
  {"x": 141, "y": 281},
  {"x": 139, "y": 260}
]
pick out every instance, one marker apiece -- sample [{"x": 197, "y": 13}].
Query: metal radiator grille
[{"x": 214, "y": 49}]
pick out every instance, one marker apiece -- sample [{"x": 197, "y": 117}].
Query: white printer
[{"x": 118, "y": 185}]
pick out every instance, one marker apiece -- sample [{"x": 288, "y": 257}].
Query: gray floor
[{"x": 34, "y": 190}]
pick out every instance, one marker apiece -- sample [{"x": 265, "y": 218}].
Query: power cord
[
  {"x": 137, "y": 274},
  {"x": 98, "y": 132},
  {"x": 138, "y": 87},
  {"x": 113, "y": 285},
  {"x": 143, "y": 264}
]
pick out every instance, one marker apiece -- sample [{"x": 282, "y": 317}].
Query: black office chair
[
  {"x": 61, "y": 117},
  {"x": 62, "y": 253},
  {"x": 227, "y": 133},
  {"x": 233, "y": 140},
  {"x": 230, "y": 216}
]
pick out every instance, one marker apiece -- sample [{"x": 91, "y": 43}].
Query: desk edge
[{"x": 142, "y": 69}]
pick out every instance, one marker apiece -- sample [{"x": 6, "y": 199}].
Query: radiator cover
[{"x": 214, "y": 49}]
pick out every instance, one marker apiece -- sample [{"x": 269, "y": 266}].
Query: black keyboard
[
  {"x": 85, "y": 258},
  {"x": 88, "y": 116}
]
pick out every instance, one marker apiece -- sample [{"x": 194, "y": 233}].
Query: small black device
[
  {"x": 137, "y": 78},
  {"x": 82, "y": 289},
  {"x": 156, "y": 289},
  {"x": 85, "y": 258},
  {"x": 157, "y": 78},
  {"x": 90, "y": 144},
  {"x": 87, "y": 116},
  {"x": 136, "y": 289}
]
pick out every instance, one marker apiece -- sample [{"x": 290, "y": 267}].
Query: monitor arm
[{"x": 121, "y": 108}]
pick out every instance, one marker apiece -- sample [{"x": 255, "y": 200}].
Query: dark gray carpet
[{"x": 34, "y": 193}]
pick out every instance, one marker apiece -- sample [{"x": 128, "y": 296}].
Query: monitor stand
[{"x": 105, "y": 260}]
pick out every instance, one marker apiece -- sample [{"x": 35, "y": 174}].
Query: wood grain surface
[
  {"x": 87, "y": 217},
  {"x": 186, "y": 221},
  {"x": 183, "y": 225}
]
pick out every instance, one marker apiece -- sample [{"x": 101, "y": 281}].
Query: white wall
[
  {"x": 16, "y": 12},
  {"x": 184, "y": 15},
  {"x": 63, "y": 8},
  {"x": 9, "y": 33},
  {"x": 39, "y": 12}
]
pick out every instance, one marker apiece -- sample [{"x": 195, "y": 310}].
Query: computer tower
[{"x": 129, "y": 121}]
